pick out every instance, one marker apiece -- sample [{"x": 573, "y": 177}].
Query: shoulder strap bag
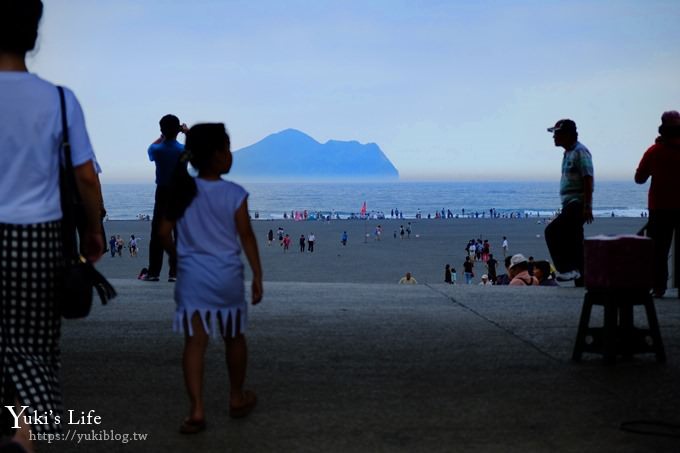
[{"x": 80, "y": 276}]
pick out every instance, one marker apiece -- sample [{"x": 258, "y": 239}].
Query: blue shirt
[{"x": 165, "y": 155}]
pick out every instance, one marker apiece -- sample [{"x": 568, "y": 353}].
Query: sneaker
[
  {"x": 172, "y": 279},
  {"x": 568, "y": 276},
  {"x": 150, "y": 278}
]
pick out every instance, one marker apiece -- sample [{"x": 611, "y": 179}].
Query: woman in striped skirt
[{"x": 31, "y": 260}]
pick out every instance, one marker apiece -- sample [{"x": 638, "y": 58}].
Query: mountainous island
[{"x": 293, "y": 155}]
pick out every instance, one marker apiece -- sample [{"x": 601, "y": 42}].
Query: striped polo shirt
[{"x": 576, "y": 164}]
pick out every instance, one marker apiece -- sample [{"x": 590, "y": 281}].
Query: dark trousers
[
  {"x": 155, "y": 246},
  {"x": 662, "y": 224},
  {"x": 564, "y": 238}
]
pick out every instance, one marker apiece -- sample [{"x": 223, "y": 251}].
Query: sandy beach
[{"x": 433, "y": 244}]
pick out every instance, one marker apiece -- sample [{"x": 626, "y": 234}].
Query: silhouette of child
[{"x": 211, "y": 215}]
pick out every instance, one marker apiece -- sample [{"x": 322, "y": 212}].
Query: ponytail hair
[
  {"x": 182, "y": 189},
  {"x": 203, "y": 141}
]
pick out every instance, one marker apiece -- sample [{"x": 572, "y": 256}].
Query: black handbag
[{"x": 80, "y": 276}]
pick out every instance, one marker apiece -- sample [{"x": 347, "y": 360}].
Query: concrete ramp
[{"x": 366, "y": 368}]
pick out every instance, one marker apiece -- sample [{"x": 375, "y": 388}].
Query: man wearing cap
[
  {"x": 564, "y": 235},
  {"x": 519, "y": 272},
  {"x": 165, "y": 153},
  {"x": 662, "y": 162}
]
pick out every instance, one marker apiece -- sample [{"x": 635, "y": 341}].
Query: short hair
[
  {"x": 543, "y": 266},
  {"x": 507, "y": 261},
  {"x": 169, "y": 125},
  {"x": 19, "y": 23},
  {"x": 670, "y": 124}
]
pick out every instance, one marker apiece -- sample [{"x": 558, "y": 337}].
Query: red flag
[{"x": 363, "y": 209}]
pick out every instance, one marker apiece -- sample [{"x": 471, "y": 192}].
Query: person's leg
[
  {"x": 193, "y": 365},
  {"x": 553, "y": 239},
  {"x": 660, "y": 229},
  {"x": 155, "y": 247},
  {"x": 564, "y": 238},
  {"x": 240, "y": 400},
  {"x": 237, "y": 362},
  {"x": 676, "y": 249},
  {"x": 172, "y": 262},
  {"x": 577, "y": 253}
]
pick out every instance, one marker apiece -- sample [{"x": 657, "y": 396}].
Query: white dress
[{"x": 209, "y": 267}]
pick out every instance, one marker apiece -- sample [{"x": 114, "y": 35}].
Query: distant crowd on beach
[{"x": 492, "y": 213}]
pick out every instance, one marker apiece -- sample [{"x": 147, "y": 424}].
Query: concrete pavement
[{"x": 371, "y": 367}]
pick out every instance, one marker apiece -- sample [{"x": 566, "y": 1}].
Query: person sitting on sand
[
  {"x": 519, "y": 272},
  {"x": 408, "y": 280},
  {"x": 543, "y": 274},
  {"x": 485, "y": 281}
]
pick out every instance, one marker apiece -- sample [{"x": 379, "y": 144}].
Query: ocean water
[{"x": 271, "y": 200}]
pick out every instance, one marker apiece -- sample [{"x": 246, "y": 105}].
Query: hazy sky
[{"x": 450, "y": 90}]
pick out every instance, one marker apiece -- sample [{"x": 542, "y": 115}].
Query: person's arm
[
  {"x": 588, "y": 198},
  {"x": 152, "y": 149},
  {"x": 643, "y": 171},
  {"x": 87, "y": 181},
  {"x": 249, "y": 243}
]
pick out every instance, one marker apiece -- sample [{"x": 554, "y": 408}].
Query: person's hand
[
  {"x": 257, "y": 290},
  {"x": 92, "y": 247},
  {"x": 183, "y": 128},
  {"x": 588, "y": 214}
]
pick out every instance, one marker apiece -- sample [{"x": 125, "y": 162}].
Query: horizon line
[{"x": 380, "y": 181}]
